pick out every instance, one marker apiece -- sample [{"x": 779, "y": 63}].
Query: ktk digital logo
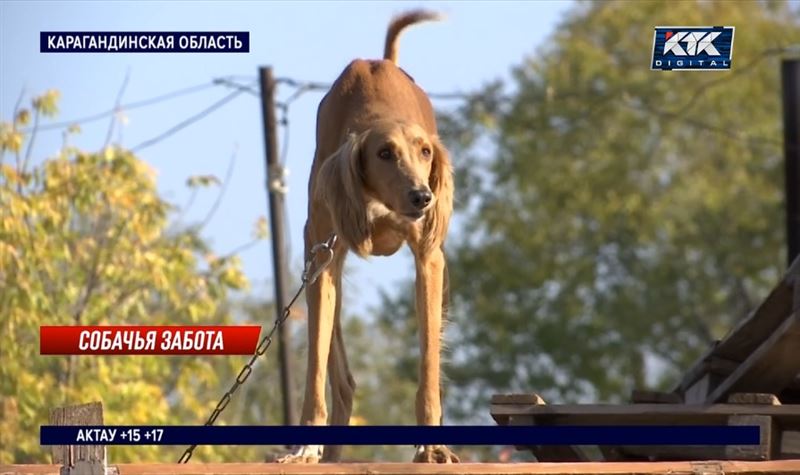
[{"x": 695, "y": 48}]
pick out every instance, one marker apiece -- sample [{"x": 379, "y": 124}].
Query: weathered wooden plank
[
  {"x": 788, "y": 416},
  {"x": 698, "y": 392},
  {"x": 708, "y": 364},
  {"x": 749, "y": 333},
  {"x": 697, "y": 370},
  {"x": 641, "y": 396},
  {"x": 78, "y": 415},
  {"x": 523, "y": 398},
  {"x": 770, "y": 368},
  {"x": 29, "y": 469},
  {"x": 778, "y": 467},
  {"x": 754, "y": 398},
  {"x": 769, "y": 449},
  {"x": 716, "y": 371},
  {"x": 770, "y": 446},
  {"x": 770, "y": 435}
]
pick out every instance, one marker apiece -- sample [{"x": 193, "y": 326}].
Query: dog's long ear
[
  {"x": 340, "y": 187},
  {"x": 441, "y": 184}
]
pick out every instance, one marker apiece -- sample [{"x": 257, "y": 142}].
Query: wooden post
[
  {"x": 79, "y": 459},
  {"x": 770, "y": 446},
  {"x": 790, "y": 74},
  {"x": 276, "y": 191}
]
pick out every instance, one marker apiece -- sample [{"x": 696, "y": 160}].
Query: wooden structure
[
  {"x": 602, "y": 468},
  {"x": 761, "y": 354},
  {"x": 79, "y": 459},
  {"x": 774, "y": 420},
  {"x": 750, "y": 377}
]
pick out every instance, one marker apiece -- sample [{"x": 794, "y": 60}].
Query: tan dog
[{"x": 380, "y": 178}]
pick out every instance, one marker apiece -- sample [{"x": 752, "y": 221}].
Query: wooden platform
[
  {"x": 782, "y": 467},
  {"x": 637, "y": 414},
  {"x": 750, "y": 377},
  {"x": 778, "y": 425}
]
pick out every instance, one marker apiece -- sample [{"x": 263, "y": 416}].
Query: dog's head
[{"x": 399, "y": 165}]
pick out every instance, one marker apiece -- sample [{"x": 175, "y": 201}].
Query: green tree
[
  {"x": 84, "y": 239},
  {"x": 614, "y": 220}
]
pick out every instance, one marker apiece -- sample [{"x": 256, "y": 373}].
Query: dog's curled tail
[{"x": 398, "y": 24}]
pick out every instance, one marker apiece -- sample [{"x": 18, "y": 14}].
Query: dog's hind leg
[{"x": 342, "y": 385}]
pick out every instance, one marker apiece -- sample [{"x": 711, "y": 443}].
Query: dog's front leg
[
  {"x": 321, "y": 297},
  {"x": 430, "y": 290}
]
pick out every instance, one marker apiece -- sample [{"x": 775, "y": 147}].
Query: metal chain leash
[{"x": 263, "y": 345}]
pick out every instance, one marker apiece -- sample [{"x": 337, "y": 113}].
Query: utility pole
[
  {"x": 276, "y": 190},
  {"x": 790, "y": 75}
]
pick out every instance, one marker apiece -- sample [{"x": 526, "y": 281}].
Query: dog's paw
[
  {"x": 304, "y": 454},
  {"x": 435, "y": 454}
]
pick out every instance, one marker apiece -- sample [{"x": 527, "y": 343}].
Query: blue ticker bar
[{"x": 400, "y": 435}]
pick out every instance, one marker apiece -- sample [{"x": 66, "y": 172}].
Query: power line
[
  {"x": 186, "y": 122},
  {"x": 760, "y": 56},
  {"x": 310, "y": 86},
  {"x": 223, "y": 188},
  {"x": 132, "y": 105},
  {"x": 229, "y": 82},
  {"x": 699, "y": 124}
]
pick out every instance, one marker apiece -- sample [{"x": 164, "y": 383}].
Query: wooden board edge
[{"x": 778, "y": 467}]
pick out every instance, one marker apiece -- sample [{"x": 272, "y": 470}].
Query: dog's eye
[
  {"x": 426, "y": 152},
  {"x": 385, "y": 154}
]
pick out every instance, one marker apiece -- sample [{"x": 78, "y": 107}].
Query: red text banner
[{"x": 149, "y": 340}]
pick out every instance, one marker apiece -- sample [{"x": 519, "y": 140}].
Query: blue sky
[{"x": 313, "y": 41}]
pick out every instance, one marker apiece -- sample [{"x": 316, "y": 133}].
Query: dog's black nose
[{"x": 420, "y": 198}]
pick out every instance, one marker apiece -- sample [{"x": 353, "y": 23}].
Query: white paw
[{"x": 303, "y": 454}]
